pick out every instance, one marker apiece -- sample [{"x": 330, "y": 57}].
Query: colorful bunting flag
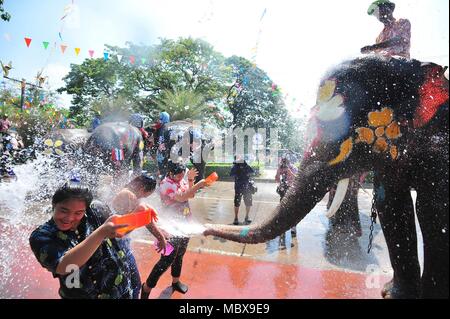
[
  {"x": 28, "y": 41},
  {"x": 77, "y": 51},
  {"x": 63, "y": 48},
  {"x": 132, "y": 59},
  {"x": 105, "y": 56},
  {"x": 119, "y": 57},
  {"x": 45, "y": 44},
  {"x": 143, "y": 60},
  {"x": 91, "y": 53}
]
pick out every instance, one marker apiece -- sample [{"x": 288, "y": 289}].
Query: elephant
[
  {"x": 387, "y": 115},
  {"x": 117, "y": 144}
]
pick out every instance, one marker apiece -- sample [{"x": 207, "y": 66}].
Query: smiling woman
[{"x": 81, "y": 247}]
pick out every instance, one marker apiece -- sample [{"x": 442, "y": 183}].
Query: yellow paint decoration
[
  {"x": 365, "y": 135},
  {"x": 380, "y": 145},
  {"x": 393, "y": 131},
  {"x": 345, "y": 150},
  {"x": 381, "y": 118},
  {"x": 141, "y": 145}
]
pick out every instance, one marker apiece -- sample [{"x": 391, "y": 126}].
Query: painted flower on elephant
[
  {"x": 329, "y": 106},
  {"x": 381, "y": 133},
  {"x": 53, "y": 147}
]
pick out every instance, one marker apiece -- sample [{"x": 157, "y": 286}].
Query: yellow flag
[{"x": 77, "y": 51}]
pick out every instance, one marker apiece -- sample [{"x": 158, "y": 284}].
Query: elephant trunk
[{"x": 310, "y": 185}]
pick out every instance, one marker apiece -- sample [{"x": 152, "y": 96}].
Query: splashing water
[
  {"x": 25, "y": 203},
  {"x": 170, "y": 220}
]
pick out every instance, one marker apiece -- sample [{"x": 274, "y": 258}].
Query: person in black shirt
[{"x": 242, "y": 188}]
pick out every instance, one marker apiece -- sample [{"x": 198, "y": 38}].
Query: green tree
[
  {"x": 5, "y": 16},
  {"x": 39, "y": 115},
  {"x": 177, "y": 66},
  {"x": 252, "y": 98},
  {"x": 92, "y": 81},
  {"x": 146, "y": 74}
]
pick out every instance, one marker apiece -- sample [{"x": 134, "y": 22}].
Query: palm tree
[{"x": 185, "y": 105}]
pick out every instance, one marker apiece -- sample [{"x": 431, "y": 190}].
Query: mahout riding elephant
[{"x": 389, "y": 116}]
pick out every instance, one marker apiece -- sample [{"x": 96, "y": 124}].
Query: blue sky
[{"x": 299, "y": 40}]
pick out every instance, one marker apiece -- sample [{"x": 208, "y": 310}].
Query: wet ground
[{"x": 215, "y": 268}]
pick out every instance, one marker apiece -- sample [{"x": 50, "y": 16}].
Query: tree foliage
[
  {"x": 38, "y": 116},
  {"x": 4, "y": 15},
  {"x": 185, "y": 77}
]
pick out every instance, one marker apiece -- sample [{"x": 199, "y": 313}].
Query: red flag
[
  {"x": 63, "y": 48},
  {"x": 28, "y": 41},
  {"x": 132, "y": 59}
]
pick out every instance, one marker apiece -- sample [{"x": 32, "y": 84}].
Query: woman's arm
[
  {"x": 155, "y": 231},
  {"x": 81, "y": 253},
  {"x": 190, "y": 193}
]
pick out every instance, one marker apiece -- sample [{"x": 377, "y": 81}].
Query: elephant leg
[
  {"x": 432, "y": 211},
  {"x": 396, "y": 214}
]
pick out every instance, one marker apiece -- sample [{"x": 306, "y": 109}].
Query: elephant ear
[{"x": 432, "y": 95}]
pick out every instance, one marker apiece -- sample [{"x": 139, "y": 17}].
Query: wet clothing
[
  {"x": 174, "y": 260},
  {"x": 248, "y": 198},
  {"x": 242, "y": 173},
  {"x": 168, "y": 189},
  {"x": 111, "y": 272},
  {"x": 400, "y": 28}
]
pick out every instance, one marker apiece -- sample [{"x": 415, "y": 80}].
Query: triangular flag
[
  {"x": 28, "y": 41},
  {"x": 91, "y": 53},
  {"x": 105, "y": 56},
  {"x": 143, "y": 60},
  {"x": 119, "y": 57},
  {"x": 132, "y": 59},
  {"x": 77, "y": 51},
  {"x": 45, "y": 44},
  {"x": 63, "y": 48}
]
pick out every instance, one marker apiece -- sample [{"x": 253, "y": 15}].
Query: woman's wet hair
[
  {"x": 72, "y": 190},
  {"x": 143, "y": 181}
]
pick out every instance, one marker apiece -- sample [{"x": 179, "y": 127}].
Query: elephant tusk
[{"x": 339, "y": 196}]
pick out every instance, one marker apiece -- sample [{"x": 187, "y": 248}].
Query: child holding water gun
[{"x": 175, "y": 193}]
